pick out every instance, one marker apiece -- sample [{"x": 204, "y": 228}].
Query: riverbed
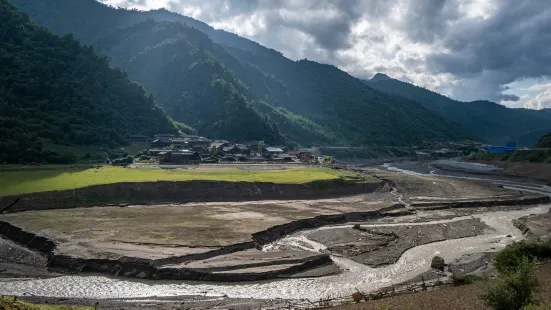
[{"x": 354, "y": 276}]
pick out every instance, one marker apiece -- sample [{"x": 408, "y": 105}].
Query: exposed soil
[
  {"x": 426, "y": 188},
  {"x": 167, "y": 230},
  {"x": 535, "y": 227},
  {"x": 377, "y": 246},
  {"x": 534, "y": 171}
]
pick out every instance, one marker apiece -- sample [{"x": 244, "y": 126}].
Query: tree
[
  {"x": 213, "y": 151},
  {"x": 261, "y": 145},
  {"x": 328, "y": 160}
]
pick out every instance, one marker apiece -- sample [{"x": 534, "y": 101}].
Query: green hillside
[
  {"x": 222, "y": 84},
  {"x": 54, "y": 89},
  {"x": 487, "y": 120}
]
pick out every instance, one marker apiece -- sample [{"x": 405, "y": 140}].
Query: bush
[
  {"x": 509, "y": 259},
  {"x": 463, "y": 279},
  {"x": 514, "y": 288},
  {"x": 123, "y": 161},
  {"x": 328, "y": 160}
]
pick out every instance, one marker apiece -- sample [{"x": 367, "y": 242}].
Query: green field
[{"x": 14, "y": 182}]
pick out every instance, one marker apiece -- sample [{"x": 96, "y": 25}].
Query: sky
[{"x": 497, "y": 50}]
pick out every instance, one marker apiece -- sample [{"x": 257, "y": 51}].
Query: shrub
[
  {"x": 123, "y": 161},
  {"x": 514, "y": 288},
  {"x": 546, "y": 306},
  {"x": 328, "y": 160},
  {"x": 463, "y": 279},
  {"x": 509, "y": 259}
]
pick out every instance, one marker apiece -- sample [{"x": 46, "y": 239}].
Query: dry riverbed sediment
[{"x": 311, "y": 243}]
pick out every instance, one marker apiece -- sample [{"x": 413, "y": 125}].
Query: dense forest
[
  {"x": 488, "y": 120},
  {"x": 230, "y": 87},
  {"x": 56, "y": 90}
]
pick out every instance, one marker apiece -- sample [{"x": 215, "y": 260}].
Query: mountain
[
  {"x": 487, "y": 120},
  {"x": 53, "y": 89},
  {"x": 227, "y": 86},
  {"x": 545, "y": 142}
]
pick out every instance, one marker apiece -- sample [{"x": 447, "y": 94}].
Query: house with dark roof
[
  {"x": 161, "y": 142},
  {"x": 243, "y": 149},
  {"x": 180, "y": 157}
]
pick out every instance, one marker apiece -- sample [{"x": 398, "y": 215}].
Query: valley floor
[{"x": 321, "y": 247}]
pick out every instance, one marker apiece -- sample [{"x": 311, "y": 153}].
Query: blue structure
[
  {"x": 508, "y": 148},
  {"x": 496, "y": 149}
]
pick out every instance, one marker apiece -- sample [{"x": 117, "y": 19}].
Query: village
[{"x": 168, "y": 149}]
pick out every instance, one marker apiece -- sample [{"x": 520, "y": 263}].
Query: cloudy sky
[{"x": 498, "y": 50}]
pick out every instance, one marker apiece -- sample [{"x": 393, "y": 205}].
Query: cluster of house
[{"x": 170, "y": 149}]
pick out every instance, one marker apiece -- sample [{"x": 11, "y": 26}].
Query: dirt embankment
[
  {"x": 178, "y": 192},
  {"x": 153, "y": 268},
  {"x": 540, "y": 172},
  {"x": 536, "y": 226}
]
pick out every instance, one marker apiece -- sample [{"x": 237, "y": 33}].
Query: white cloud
[{"x": 539, "y": 101}]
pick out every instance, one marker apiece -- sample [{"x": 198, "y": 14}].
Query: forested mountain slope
[
  {"x": 213, "y": 87},
  {"x": 490, "y": 121},
  {"x": 54, "y": 89}
]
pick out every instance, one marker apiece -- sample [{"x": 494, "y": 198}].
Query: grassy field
[
  {"x": 38, "y": 180},
  {"x": 9, "y": 303}
]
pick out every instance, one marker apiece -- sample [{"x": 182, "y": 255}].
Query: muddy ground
[
  {"x": 378, "y": 246},
  {"x": 536, "y": 227}
]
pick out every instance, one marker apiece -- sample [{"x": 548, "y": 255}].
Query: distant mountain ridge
[
  {"x": 54, "y": 89},
  {"x": 227, "y": 86},
  {"x": 487, "y": 120}
]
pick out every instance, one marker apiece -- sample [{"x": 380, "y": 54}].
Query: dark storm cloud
[
  {"x": 510, "y": 45},
  {"x": 508, "y": 97},
  {"x": 426, "y": 20}
]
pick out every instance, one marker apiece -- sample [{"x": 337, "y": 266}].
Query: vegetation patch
[
  {"x": 517, "y": 281},
  {"x": 40, "y": 180},
  {"x": 11, "y": 303},
  {"x": 511, "y": 258},
  {"x": 515, "y": 287}
]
